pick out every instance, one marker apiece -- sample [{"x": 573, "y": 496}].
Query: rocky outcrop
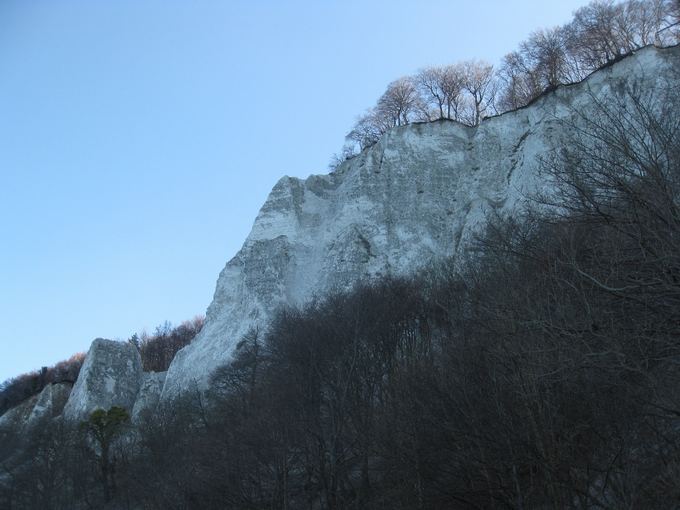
[
  {"x": 111, "y": 376},
  {"x": 418, "y": 195},
  {"x": 16, "y": 418},
  {"x": 149, "y": 393},
  {"x": 38, "y": 409},
  {"x": 50, "y": 402}
]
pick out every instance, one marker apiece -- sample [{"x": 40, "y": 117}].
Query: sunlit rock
[
  {"x": 149, "y": 393},
  {"x": 419, "y": 194},
  {"x": 111, "y": 376},
  {"x": 50, "y": 403}
]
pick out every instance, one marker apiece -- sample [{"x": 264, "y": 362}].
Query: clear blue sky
[{"x": 138, "y": 139}]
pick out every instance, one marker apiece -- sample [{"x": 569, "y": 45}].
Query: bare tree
[
  {"x": 593, "y": 34},
  {"x": 519, "y": 84},
  {"x": 600, "y": 32},
  {"x": 442, "y": 87},
  {"x": 348, "y": 152},
  {"x": 603, "y": 30},
  {"x": 479, "y": 80},
  {"x": 547, "y": 58},
  {"x": 542, "y": 62},
  {"x": 644, "y": 22},
  {"x": 400, "y": 104},
  {"x": 368, "y": 128},
  {"x": 158, "y": 350}
]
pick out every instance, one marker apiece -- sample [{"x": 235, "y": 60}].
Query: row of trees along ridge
[{"x": 599, "y": 33}]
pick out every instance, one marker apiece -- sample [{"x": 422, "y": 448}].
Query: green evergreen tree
[{"x": 103, "y": 427}]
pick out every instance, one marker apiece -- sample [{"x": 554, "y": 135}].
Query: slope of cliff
[{"x": 418, "y": 195}]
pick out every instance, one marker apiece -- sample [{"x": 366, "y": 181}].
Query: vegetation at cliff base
[
  {"x": 537, "y": 370},
  {"x": 542, "y": 373}
]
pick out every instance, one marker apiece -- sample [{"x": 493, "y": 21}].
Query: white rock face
[
  {"x": 149, "y": 393},
  {"x": 418, "y": 195},
  {"x": 16, "y": 418},
  {"x": 34, "y": 411},
  {"x": 111, "y": 376},
  {"x": 50, "y": 403}
]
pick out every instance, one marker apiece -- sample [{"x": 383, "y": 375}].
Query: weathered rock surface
[
  {"x": 50, "y": 403},
  {"x": 34, "y": 411},
  {"x": 16, "y": 418},
  {"x": 419, "y": 194},
  {"x": 149, "y": 393},
  {"x": 111, "y": 376}
]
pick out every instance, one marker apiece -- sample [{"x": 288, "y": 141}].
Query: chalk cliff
[{"x": 419, "y": 194}]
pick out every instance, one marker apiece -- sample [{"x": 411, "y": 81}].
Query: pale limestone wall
[
  {"x": 111, "y": 376},
  {"x": 418, "y": 195}
]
